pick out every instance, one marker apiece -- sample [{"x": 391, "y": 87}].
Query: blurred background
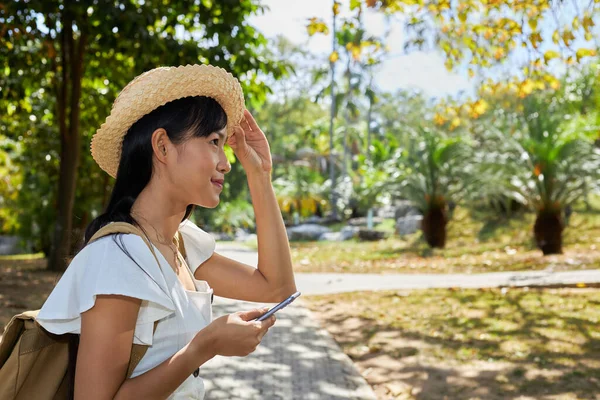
[{"x": 408, "y": 136}]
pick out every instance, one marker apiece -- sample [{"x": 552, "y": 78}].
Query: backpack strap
[
  {"x": 183, "y": 255},
  {"x": 123, "y": 227},
  {"x": 180, "y": 245},
  {"x": 137, "y": 353},
  {"x": 137, "y": 350}
]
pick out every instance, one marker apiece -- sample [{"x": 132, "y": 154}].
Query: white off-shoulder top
[{"x": 103, "y": 267}]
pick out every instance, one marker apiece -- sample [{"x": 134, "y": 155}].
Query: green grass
[
  {"x": 550, "y": 330},
  {"x": 19, "y": 257},
  {"x": 475, "y": 243},
  {"x": 251, "y": 244},
  {"x": 388, "y": 225}
]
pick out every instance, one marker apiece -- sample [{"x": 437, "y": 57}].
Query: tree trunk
[
  {"x": 69, "y": 95},
  {"x": 66, "y": 198},
  {"x": 369, "y": 117},
  {"x": 333, "y": 199},
  {"x": 434, "y": 226},
  {"x": 347, "y": 118},
  {"x": 548, "y": 232}
]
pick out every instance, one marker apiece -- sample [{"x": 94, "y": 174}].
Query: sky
[{"x": 419, "y": 70}]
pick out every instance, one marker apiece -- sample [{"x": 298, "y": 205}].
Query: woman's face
[{"x": 199, "y": 169}]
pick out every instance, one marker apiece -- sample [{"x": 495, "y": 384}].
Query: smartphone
[{"x": 278, "y": 307}]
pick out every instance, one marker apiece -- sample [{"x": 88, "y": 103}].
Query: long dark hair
[{"x": 182, "y": 119}]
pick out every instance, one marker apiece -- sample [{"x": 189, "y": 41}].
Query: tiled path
[{"x": 296, "y": 360}]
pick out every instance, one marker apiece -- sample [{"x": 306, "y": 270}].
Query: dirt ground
[
  {"x": 24, "y": 285},
  {"x": 415, "y": 363}
]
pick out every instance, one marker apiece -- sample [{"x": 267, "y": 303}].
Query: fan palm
[
  {"x": 434, "y": 169},
  {"x": 542, "y": 164}
]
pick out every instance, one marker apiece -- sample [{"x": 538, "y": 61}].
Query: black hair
[{"x": 182, "y": 119}]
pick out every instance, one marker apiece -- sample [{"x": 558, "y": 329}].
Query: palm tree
[
  {"x": 301, "y": 190},
  {"x": 545, "y": 163},
  {"x": 434, "y": 169},
  {"x": 370, "y": 186}
]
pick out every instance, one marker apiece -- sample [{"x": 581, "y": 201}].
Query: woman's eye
[{"x": 215, "y": 142}]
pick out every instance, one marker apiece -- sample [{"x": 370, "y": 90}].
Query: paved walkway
[
  {"x": 299, "y": 360},
  {"x": 320, "y": 283},
  {"x": 337, "y": 283}
]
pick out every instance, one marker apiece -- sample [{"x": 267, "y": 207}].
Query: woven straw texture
[{"x": 155, "y": 88}]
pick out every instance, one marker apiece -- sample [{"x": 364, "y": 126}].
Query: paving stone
[{"x": 297, "y": 359}]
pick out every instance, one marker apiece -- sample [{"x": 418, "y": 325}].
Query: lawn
[
  {"x": 470, "y": 344},
  {"x": 475, "y": 244}
]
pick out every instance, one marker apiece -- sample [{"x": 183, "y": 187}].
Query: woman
[{"x": 164, "y": 142}]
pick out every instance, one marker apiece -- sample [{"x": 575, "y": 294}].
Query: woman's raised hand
[{"x": 250, "y": 146}]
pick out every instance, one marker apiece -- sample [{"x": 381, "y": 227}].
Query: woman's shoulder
[
  {"x": 199, "y": 245},
  {"x": 115, "y": 264},
  {"x": 118, "y": 257},
  {"x": 187, "y": 227},
  {"x": 113, "y": 248}
]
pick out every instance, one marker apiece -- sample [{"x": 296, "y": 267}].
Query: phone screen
[{"x": 278, "y": 307}]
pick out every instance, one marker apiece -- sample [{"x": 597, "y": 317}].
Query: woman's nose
[{"x": 224, "y": 166}]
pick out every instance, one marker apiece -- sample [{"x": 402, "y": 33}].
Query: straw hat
[{"x": 155, "y": 88}]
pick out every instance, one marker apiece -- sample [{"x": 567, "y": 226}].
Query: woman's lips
[{"x": 218, "y": 183}]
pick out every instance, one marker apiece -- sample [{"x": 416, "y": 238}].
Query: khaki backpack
[{"x": 38, "y": 365}]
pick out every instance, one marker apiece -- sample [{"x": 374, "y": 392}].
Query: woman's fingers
[
  {"x": 252, "y": 314},
  {"x": 238, "y": 138},
  {"x": 267, "y": 324},
  {"x": 246, "y": 124},
  {"x": 251, "y": 121}
]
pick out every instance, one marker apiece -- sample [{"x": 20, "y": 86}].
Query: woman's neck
[{"x": 159, "y": 215}]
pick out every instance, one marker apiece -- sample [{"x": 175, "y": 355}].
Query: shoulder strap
[
  {"x": 137, "y": 353},
  {"x": 180, "y": 244},
  {"x": 183, "y": 254},
  {"x": 123, "y": 227},
  {"x": 137, "y": 350}
]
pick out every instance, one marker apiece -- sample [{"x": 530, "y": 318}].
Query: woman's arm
[
  {"x": 274, "y": 279},
  {"x": 105, "y": 347},
  {"x": 274, "y": 258},
  {"x": 161, "y": 381}
]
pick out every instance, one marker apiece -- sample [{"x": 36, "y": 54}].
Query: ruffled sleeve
[
  {"x": 118, "y": 265},
  {"x": 199, "y": 245}
]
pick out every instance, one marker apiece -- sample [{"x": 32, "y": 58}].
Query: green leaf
[{"x": 354, "y": 4}]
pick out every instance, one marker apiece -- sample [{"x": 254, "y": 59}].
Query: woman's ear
[{"x": 160, "y": 144}]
